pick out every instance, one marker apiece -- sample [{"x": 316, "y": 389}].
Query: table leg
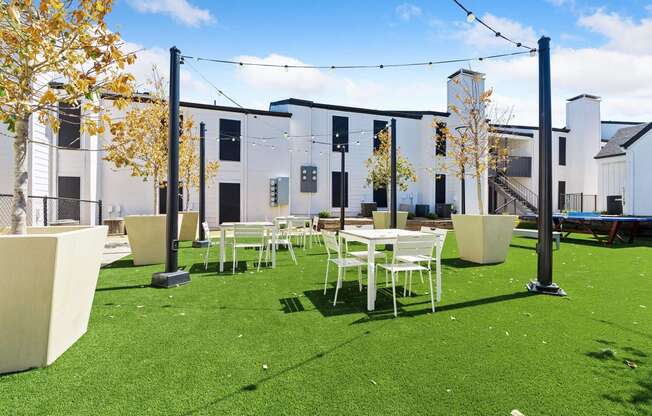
[
  {"x": 371, "y": 276},
  {"x": 614, "y": 232},
  {"x": 274, "y": 247},
  {"x": 633, "y": 232},
  {"x": 222, "y": 248}
]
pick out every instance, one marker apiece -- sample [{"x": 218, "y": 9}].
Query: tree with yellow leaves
[
  {"x": 189, "y": 160},
  {"x": 379, "y": 166},
  {"x": 140, "y": 141},
  {"x": 474, "y": 146},
  {"x": 70, "y": 42}
]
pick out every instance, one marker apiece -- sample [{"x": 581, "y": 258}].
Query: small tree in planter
[
  {"x": 472, "y": 149},
  {"x": 67, "y": 41},
  {"x": 189, "y": 160},
  {"x": 379, "y": 167},
  {"x": 46, "y": 304}
]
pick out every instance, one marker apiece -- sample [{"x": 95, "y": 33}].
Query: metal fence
[
  {"x": 578, "y": 202},
  {"x": 48, "y": 210}
]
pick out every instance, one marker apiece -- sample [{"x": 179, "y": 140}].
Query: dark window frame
[
  {"x": 561, "y": 202},
  {"x": 335, "y": 189},
  {"x": 379, "y": 125},
  {"x": 69, "y": 135},
  {"x": 340, "y": 134},
  {"x": 562, "y": 151},
  {"x": 230, "y": 149},
  {"x": 440, "y": 145}
]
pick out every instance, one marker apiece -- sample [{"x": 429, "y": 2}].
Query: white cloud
[
  {"x": 192, "y": 88},
  {"x": 478, "y": 36},
  {"x": 623, "y": 33},
  {"x": 618, "y": 71},
  {"x": 407, "y": 11},
  {"x": 180, "y": 10}
]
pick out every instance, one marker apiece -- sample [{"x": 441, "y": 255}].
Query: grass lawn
[{"x": 270, "y": 343}]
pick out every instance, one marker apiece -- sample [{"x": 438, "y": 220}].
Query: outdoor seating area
[{"x": 258, "y": 342}]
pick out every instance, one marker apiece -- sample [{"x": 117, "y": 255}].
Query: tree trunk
[
  {"x": 478, "y": 187},
  {"x": 187, "y": 197},
  {"x": 156, "y": 194},
  {"x": 19, "y": 208}
]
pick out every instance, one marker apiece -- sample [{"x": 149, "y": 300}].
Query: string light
[
  {"x": 427, "y": 64},
  {"x": 471, "y": 17}
]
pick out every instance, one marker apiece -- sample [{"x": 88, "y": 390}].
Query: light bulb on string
[
  {"x": 470, "y": 17},
  {"x": 285, "y": 134},
  {"x": 533, "y": 52}
]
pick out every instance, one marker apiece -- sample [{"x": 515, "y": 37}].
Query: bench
[{"x": 524, "y": 232}]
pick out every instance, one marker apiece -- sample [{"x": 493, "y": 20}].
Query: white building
[{"x": 254, "y": 146}]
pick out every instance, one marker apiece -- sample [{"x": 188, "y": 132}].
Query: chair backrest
[
  {"x": 415, "y": 245},
  {"x": 207, "y": 230},
  {"x": 315, "y": 223},
  {"x": 331, "y": 243},
  {"x": 248, "y": 232},
  {"x": 441, "y": 236}
]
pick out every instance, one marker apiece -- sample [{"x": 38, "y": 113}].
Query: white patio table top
[
  {"x": 230, "y": 225},
  {"x": 371, "y": 238}
]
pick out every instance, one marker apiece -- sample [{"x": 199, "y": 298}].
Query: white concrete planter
[
  {"x": 483, "y": 239},
  {"x": 47, "y": 285},
  {"x": 189, "y": 225},
  {"x": 146, "y": 235}
]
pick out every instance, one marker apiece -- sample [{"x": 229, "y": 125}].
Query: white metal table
[
  {"x": 372, "y": 238},
  {"x": 231, "y": 225}
]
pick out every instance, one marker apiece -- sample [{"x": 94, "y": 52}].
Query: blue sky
[{"x": 599, "y": 47}]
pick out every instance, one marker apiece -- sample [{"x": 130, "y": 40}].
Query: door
[
  {"x": 229, "y": 202},
  {"x": 68, "y": 187},
  {"x": 561, "y": 195},
  {"x": 440, "y": 189},
  {"x": 335, "y": 189}
]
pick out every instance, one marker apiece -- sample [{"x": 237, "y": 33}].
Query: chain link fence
[{"x": 49, "y": 211}]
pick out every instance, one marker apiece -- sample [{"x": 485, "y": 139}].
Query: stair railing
[{"x": 522, "y": 191}]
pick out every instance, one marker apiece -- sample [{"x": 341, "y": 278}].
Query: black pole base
[
  {"x": 168, "y": 280},
  {"x": 200, "y": 243},
  {"x": 553, "y": 289}
]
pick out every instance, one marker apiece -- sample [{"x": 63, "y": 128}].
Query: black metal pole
[
  {"x": 544, "y": 283},
  {"x": 392, "y": 186},
  {"x": 463, "y": 180},
  {"x": 342, "y": 185},
  {"x": 172, "y": 275},
  {"x": 203, "y": 238}
]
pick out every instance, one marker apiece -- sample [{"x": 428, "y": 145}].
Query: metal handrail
[{"x": 523, "y": 191}]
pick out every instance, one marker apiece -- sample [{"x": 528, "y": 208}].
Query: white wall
[
  {"x": 612, "y": 180},
  {"x": 639, "y": 177},
  {"x": 583, "y": 119}
]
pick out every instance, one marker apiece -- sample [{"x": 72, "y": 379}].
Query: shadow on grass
[
  {"x": 257, "y": 384},
  {"x": 120, "y": 264},
  {"x": 108, "y": 289},
  {"x": 457, "y": 263},
  {"x": 635, "y": 392}
]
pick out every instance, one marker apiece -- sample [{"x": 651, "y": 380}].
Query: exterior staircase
[{"x": 517, "y": 195}]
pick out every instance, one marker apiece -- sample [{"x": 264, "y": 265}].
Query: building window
[
  {"x": 440, "y": 145},
  {"x": 379, "y": 125},
  {"x": 340, "y": 133},
  {"x": 69, "y": 123},
  {"x": 562, "y": 151},
  {"x": 561, "y": 195},
  {"x": 230, "y": 140},
  {"x": 440, "y": 189},
  {"x": 335, "y": 185}
]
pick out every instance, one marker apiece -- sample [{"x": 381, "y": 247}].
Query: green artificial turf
[{"x": 271, "y": 343}]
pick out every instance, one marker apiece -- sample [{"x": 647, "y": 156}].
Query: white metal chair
[
  {"x": 281, "y": 237},
  {"x": 420, "y": 246},
  {"x": 313, "y": 232},
  {"x": 439, "y": 247},
  {"x": 342, "y": 263},
  {"x": 248, "y": 236},
  {"x": 207, "y": 233}
]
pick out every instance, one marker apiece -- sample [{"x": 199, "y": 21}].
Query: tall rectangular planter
[
  {"x": 146, "y": 235},
  {"x": 47, "y": 283},
  {"x": 188, "y": 225},
  {"x": 483, "y": 239}
]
